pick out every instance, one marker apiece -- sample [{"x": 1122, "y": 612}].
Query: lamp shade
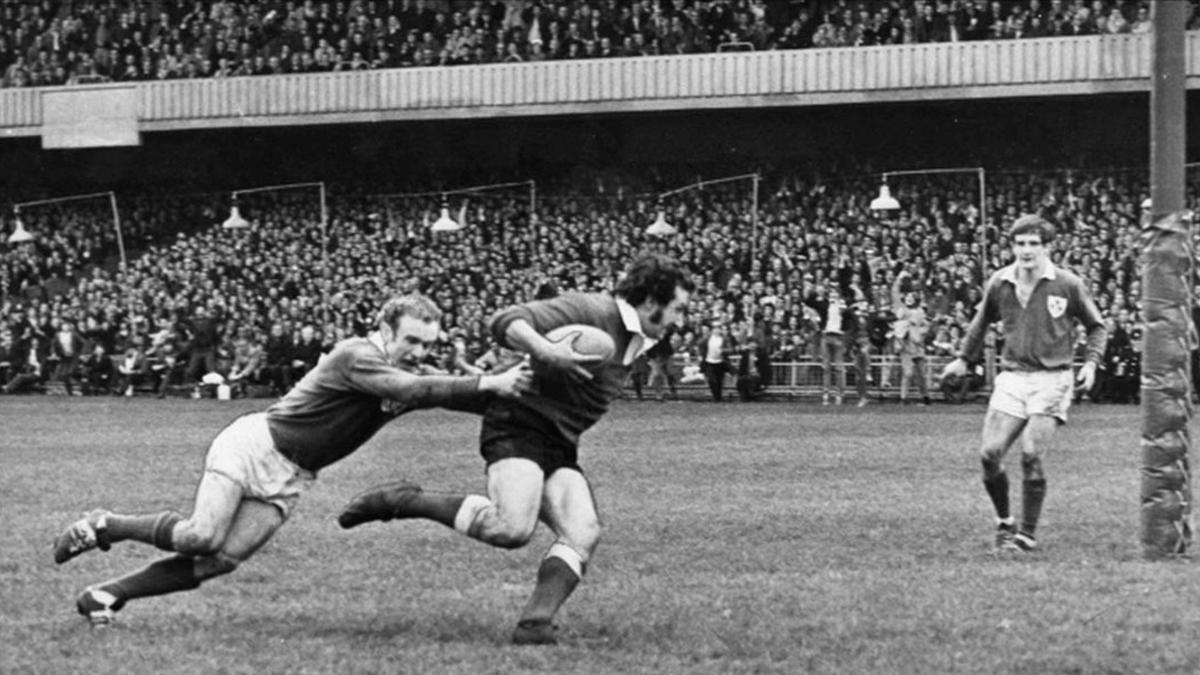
[
  {"x": 445, "y": 223},
  {"x": 20, "y": 235},
  {"x": 235, "y": 221},
  {"x": 660, "y": 227},
  {"x": 885, "y": 201}
]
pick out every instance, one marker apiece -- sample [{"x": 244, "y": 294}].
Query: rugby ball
[{"x": 585, "y": 339}]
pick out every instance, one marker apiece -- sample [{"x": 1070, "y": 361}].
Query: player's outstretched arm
[
  {"x": 371, "y": 375},
  {"x": 561, "y": 355},
  {"x": 511, "y": 383}
]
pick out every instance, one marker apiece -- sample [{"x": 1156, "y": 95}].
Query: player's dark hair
[
  {"x": 414, "y": 304},
  {"x": 1030, "y": 224},
  {"x": 654, "y": 276}
]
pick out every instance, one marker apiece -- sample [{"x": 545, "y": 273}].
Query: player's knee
[
  {"x": 1031, "y": 465},
  {"x": 215, "y": 565},
  {"x": 588, "y": 537},
  {"x": 508, "y": 532},
  {"x": 991, "y": 453},
  {"x": 513, "y": 536},
  {"x": 992, "y": 465},
  {"x": 193, "y": 538}
]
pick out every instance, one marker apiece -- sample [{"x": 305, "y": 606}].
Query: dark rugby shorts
[{"x": 515, "y": 431}]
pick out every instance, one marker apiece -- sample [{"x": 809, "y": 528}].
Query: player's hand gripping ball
[{"x": 585, "y": 341}]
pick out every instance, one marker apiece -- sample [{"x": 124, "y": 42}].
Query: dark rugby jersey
[
  {"x": 352, "y": 392},
  {"x": 567, "y": 405},
  {"x": 1040, "y": 335}
]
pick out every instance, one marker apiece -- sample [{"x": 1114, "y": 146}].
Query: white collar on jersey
[
  {"x": 640, "y": 342},
  {"x": 1009, "y": 273}
]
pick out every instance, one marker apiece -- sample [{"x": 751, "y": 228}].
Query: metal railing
[
  {"x": 801, "y": 378},
  {"x": 1059, "y": 66},
  {"x": 883, "y": 377},
  {"x": 806, "y": 378}
]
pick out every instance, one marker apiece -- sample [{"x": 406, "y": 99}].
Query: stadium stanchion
[
  {"x": 444, "y": 195},
  {"x": 235, "y": 221},
  {"x": 660, "y": 223},
  {"x": 112, "y": 199},
  {"x": 886, "y": 202}
]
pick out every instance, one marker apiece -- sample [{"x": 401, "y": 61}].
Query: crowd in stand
[
  {"x": 258, "y": 306},
  {"x": 55, "y": 43}
]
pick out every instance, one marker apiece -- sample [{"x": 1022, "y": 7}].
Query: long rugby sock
[
  {"x": 168, "y": 575},
  {"x": 1034, "y": 493},
  {"x": 997, "y": 488},
  {"x": 559, "y": 574},
  {"x": 151, "y": 528},
  {"x": 452, "y": 510}
]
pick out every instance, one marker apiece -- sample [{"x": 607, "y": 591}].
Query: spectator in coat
[
  {"x": 751, "y": 357},
  {"x": 247, "y": 362},
  {"x": 28, "y": 370},
  {"x": 205, "y": 331},
  {"x": 305, "y": 352},
  {"x": 278, "y": 354},
  {"x": 98, "y": 371},
  {"x": 133, "y": 369},
  {"x": 66, "y": 354}
]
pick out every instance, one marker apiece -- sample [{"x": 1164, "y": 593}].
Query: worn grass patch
[{"x": 740, "y": 539}]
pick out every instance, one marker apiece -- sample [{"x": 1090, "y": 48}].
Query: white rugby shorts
[
  {"x": 1041, "y": 392},
  {"x": 245, "y": 453}
]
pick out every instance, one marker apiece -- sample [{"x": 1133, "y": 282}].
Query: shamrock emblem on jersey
[{"x": 1056, "y": 304}]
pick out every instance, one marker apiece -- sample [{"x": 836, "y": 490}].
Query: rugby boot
[
  {"x": 83, "y": 535},
  {"x": 1006, "y": 538},
  {"x": 98, "y": 606},
  {"x": 382, "y": 502},
  {"x": 535, "y": 632},
  {"x": 1025, "y": 541}
]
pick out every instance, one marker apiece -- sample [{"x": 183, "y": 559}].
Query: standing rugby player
[{"x": 1037, "y": 304}]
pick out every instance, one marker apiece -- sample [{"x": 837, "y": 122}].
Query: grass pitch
[{"x": 740, "y": 538}]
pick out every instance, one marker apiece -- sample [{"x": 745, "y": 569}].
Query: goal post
[{"x": 1167, "y": 277}]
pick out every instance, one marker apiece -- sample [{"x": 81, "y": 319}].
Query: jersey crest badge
[{"x": 1057, "y": 305}]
